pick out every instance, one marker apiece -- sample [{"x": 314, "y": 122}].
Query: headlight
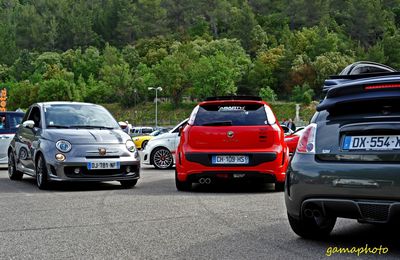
[
  {"x": 130, "y": 146},
  {"x": 136, "y": 139},
  {"x": 63, "y": 146}
]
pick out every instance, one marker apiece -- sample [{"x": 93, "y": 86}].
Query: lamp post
[{"x": 156, "y": 89}]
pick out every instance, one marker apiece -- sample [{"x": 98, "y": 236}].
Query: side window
[
  {"x": 35, "y": 116},
  {"x": 14, "y": 120},
  {"x": 2, "y": 122},
  {"x": 147, "y": 130}
]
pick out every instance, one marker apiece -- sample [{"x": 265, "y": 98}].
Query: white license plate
[
  {"x": 103, "y": 165},
  {"x": 376, "y": 142},
  {"x": 230, "y": 159}
]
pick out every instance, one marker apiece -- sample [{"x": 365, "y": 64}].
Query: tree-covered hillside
[{"x": 107, "y": 51}]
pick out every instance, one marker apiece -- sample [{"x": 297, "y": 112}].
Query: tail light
[
  {"x": 270, "y": 115},
  {"x": 307, "y": 140}
]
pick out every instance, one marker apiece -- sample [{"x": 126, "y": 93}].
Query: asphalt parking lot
[{"x": 154, "y": 221}]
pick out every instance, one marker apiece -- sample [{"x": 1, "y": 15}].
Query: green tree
[
  {"x": 215, "y": 75},
  {"x": 302, "y": 94},
  {"x": 268, "y": 94}
]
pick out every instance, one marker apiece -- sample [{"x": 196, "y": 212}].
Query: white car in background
[
  {"x": 9, "y": 122},
  {"x": 160, "y": 150}
]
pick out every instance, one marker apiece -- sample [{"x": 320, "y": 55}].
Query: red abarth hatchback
[{"x": 231, "y": 138}]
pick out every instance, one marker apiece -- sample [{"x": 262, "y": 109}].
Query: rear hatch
[
  {"x": 232, "y": 127},
  {"x": 360, "y": 123}
]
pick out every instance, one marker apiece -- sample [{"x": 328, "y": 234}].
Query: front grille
[
  {"x": 374, "y": 211},
  {"x": 102, "y": 157},
  {"x": 86, "y": 173}
]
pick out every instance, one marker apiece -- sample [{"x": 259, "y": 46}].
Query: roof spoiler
[
  {"x": 255, "y": 98},
  {"x": 359, "y": 70},
  {"x": 360, "y": 81}
]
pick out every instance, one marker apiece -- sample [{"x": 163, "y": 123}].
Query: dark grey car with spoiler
[{"x": 347, "y": 163}]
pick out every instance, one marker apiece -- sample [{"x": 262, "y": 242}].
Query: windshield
[
  {"x": 235, "y": 115},
  {"x": 155, "y": 133},
  {"x": 78, "y": 116}
]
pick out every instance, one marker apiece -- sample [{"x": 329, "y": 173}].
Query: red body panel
[
  {"x": 292, "y": 141},
  {"x": 253, "y": 140}
]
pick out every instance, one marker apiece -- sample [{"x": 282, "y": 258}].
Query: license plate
[
  {"x": 230, "y": 159},
  {"x": 378, "y": 142},
  {"x": 103, "y": 165}
]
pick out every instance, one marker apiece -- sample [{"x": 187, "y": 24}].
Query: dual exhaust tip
[
  {"x": 205, "y": 181},
  {"x": 312, "y": 213}
]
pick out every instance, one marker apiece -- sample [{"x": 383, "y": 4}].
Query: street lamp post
[{"x": 156, "y": 89}]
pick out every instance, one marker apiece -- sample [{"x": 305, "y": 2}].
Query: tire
[
  {"x": 128, "y": 184},
  {"x": 41, "y": 174},
  {"x": 310, "y": 229},
  {"x": 13, "y": 173},
  {"x": 182, "y": 185},
  {"x": 144, "y": 143},
  {"x": 162, "y": 158},
  {"x": 279, "y": 186}
]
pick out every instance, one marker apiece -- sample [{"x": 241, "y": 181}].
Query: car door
[{"x": 27, "y": 139}]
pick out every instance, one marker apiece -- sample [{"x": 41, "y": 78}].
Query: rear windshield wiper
[
  {"x": 92, "y": 126},
  {"x": 221, "y": 123}
]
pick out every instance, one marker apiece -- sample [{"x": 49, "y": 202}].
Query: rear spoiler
[
  {"x": 343, "y": 90},
  {"x": 255, "y": 98}
]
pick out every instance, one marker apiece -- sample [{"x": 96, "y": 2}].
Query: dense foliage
[{"x": 114, "y": 50}]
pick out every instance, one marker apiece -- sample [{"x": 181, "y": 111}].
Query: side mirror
[{"x": 29, "y": 124}]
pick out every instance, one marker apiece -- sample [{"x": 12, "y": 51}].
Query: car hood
[{"x": 87, "y": 136}]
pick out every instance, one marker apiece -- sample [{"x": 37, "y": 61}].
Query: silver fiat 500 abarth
[{"x": 70, "y": 141}]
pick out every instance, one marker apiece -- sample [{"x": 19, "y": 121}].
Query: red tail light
[
  {"x": 382, "y": 86},
  {"x": 307, "y": 140}
]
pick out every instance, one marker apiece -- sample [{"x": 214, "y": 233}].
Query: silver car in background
[
  {"x": 70, "y": 141},
  {"x": 9, "y": 122}
]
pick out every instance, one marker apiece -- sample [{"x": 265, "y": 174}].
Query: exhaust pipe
[
  {"x": 308, "y": 213},
  {"x": 202, "y": 180},
  {"x": 316, "y": 213},
  {"x": 312, "y": 213},
  {"x": 207, "y": 181}
]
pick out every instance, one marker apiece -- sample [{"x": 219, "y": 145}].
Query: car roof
[
  {"x": 65, "y": 103},
  {"x": 13, "y": 112}
]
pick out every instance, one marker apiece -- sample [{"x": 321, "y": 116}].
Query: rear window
[{"x": 235, "y": 115}]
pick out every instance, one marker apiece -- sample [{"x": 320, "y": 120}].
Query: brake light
[
  {"x": 382, "y": 86},
  {"x": 307, "y": 140}
]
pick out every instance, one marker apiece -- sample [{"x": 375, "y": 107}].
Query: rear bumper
[
  {"x": 233, "y": 176},
  {"x": 377, "y": 211},
  {"x": 263, "y": 166},
  {"x": 343, "y": 189}
]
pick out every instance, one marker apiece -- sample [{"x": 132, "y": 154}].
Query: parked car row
[{"x": 344, "y": 163}]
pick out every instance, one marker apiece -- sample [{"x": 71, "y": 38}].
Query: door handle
[{"x": 4, "y": 137}]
